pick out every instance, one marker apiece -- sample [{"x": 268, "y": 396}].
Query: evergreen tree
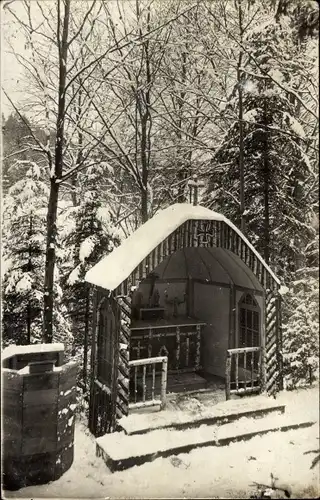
[
  {"x": 23, "y": 254},
  {"x": 301, "y": 327},
  {"x": 89, "y": 235},
  {"x": 276, "y": 168}
]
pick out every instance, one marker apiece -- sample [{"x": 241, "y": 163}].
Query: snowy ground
[{"x": 227, "y": 472}]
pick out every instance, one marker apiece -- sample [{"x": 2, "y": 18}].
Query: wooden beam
[
  {"x": 145, "y": 404},
  {"x": 248, "y": 390},
  {"x": 243, "y": 349},
  {"x": 237, "y": 370},
  {"x": 177, "y": 347},
  {"x": 279, "y": 343},
  {"x": 228, "y": 376},
  {"x": 153, "y": 380},
  {"x": 144, "y": 385},
  {"x": 164, "y": 372},
  {"x": 147, "y": 361}
]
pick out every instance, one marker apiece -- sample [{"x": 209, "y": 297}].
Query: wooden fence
[
  {"x": 148, "y": 389},
  {"x": 243, "y": 371}
]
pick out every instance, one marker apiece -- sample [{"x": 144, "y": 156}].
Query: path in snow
[{"x": 226, "y": 472}]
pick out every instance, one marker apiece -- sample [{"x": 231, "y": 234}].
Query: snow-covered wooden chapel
[{"x": 183, "y": 302}]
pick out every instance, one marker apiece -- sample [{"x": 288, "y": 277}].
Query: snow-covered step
[
  {"x": 120, "y": 451},
  {"x": 226, "y": 411}
]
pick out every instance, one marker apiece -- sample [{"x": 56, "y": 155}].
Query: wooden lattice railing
[
  {"x": 144, "y": 390},
  {"x": 243, "y": 371}
]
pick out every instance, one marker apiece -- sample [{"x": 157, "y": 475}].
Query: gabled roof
[{"x": 113, "y": 269}]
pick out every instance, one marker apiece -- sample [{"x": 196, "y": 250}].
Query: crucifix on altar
[{"x": 194, "y": 185}]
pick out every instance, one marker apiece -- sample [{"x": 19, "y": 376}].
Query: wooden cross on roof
[{"x": 194, "y": 185}]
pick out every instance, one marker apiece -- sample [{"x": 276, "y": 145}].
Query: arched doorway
[{"x": 249, "y": 321}]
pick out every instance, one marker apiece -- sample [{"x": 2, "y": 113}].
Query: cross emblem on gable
[{"x": 205, "y": 234}]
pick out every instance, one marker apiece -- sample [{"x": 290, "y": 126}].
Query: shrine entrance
[{"x": 191, "y": 306}]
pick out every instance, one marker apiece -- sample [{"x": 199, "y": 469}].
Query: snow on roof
[
  {"x": 113, "y": 269},
  {"x": 16, "y": 350}
]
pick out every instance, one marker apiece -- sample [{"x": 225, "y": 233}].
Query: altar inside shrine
[
  {"x": 163, "y": 323},
  {"x": 178, "y": 338}
]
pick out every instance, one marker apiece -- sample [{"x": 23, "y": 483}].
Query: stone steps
[
  {"x": 144, "y": 437},
  {"x": 121, "y": 451},
  {"x": 201, "y": 414}
]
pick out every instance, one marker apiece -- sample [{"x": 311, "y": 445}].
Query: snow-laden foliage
[
  {"x": 90, "y": 232},
  {"x": 301, "y": 321},
  {"x": 24, "y": 242},
  {"x": 301, "y": 331},
  {"x": 277, "y": 171},
  {"x": 24, "y": 251},
  {"x": 88, "y": 236}
]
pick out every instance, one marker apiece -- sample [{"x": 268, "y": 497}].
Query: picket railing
[
  {"x": 144, "y": 391},
  {"x": 243, "y": 371}
]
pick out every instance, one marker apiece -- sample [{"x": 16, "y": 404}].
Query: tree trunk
[
  {"x": 86, "y": 336},
  {"x": 50, "y": 262},
  {"x": 241, "y": 152},
  {"x": 146, "y": 124},
  {"x": 28, "y": 340},
  {"x": 28, "y": 323},
  {"x": 182, "y": 170},
  {"x": 144, "y": 204},
  {"x": 56, "y": 176},
  {"x": 266, "y": 188},
  {"x": 79, "y": 160}
]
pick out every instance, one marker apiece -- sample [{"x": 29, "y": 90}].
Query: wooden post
[
  {"x": 161, "y": 254},
  {"x": 141, "y": 268},
  {"x": 153, "y": 380},
  {"x": 153, "y": 260},
  {"x": 237, "y": 371},
  {"x": 228, "y": 375},
  {"x": 177, "y": 347},
  {"x": 135, "y": 384},
  {"x": 158, "y": 255},
  {"x": 93, "y": 364},
  {"x": 252, "y": 368},
  {"x": 198, "y": 347},
  {"x": 144, "y": 383},
  {"x": 263, "y": 377},
  {"x": 164, "y": 383},
  {"x": 170, "y": 244},
  {"x": 279, "y": 343},
  {"x": 245, "y": 369},
  {"x": 187, "y": 350},
  {"x": 95, "y": 318},
  {"x": 165, "y": 248},
  {"x": 149, "y": 347},
  {"x": 190, "y": 233},
  {"x": 259, "y": 367}
]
